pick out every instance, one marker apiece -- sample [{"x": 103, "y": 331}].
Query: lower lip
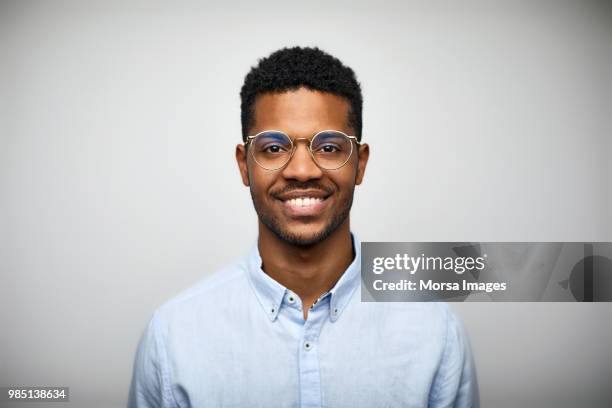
[{"x": 304, "y": 211}]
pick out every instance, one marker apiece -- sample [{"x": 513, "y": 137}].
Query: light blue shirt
[{"x": 239, "y": 339}]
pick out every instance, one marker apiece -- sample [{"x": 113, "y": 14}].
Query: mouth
[{"x": 304, "y": 204}]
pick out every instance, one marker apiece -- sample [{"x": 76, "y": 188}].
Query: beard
[{"x": 274, "y": 224}]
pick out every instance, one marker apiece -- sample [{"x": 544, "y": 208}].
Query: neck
[{"x": 308, "y": 271}]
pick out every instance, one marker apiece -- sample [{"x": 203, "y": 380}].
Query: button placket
[{"x": 310, "y": 377}]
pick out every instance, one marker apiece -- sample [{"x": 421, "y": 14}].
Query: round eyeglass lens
[
  {"x": 331, "y": 149},
  {"x": 272, "y": 149}
]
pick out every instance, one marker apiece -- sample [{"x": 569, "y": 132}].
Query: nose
[{"x": 301, "y": 166}]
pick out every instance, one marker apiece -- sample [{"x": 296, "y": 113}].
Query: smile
[
  {"x": 303, "y": 202},
  {"x": 306, "y": 205}
]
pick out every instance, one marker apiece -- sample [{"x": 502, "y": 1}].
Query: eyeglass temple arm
[
  {"x": 354, "y": 138},
  {"x": 248, "y": 139}
]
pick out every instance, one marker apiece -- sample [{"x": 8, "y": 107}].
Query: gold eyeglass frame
[{"x": 250, "y": 139}]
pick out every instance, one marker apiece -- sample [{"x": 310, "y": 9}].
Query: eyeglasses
[{"x": 330, "y": 149}]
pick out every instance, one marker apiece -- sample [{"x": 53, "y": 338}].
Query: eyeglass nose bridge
[{"x": 294, "y": 148}]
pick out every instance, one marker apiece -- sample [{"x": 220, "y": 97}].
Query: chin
[
  {"x": 300, "y": 232},
  {"x": 301, "y": 237}
]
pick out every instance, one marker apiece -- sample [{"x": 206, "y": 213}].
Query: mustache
[{"x": 301, "y": 186}]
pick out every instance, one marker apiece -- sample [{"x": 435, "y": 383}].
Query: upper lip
[{"x": 303, "y": 193}]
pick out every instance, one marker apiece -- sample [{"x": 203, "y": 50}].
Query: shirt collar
[{"x": 270, "y": 293}]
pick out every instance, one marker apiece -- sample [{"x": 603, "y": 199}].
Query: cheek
[
  {"x": 345, "y": 180},
  {"x": 260, "y": 182},
  {"x": 346, "y": 177}
]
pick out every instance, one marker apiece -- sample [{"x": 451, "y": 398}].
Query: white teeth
[{"x": 303, "y": 201}]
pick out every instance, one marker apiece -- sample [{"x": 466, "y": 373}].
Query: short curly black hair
[{"x": 291, "y": 68}]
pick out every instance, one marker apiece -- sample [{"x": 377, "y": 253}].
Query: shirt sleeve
[
  {"x": 149, "y": 378},
  {"x": 455, "y": 383}
]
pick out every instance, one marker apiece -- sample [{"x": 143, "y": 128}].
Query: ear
[
  {"x": 241, "y": 159},
  {"x": 363, "y": 154}
]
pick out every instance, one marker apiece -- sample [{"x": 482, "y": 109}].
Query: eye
[
  {"x": 328, "y": 148},
  {"x": 273, "y": 148}
]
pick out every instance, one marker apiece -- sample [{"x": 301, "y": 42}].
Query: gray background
[{"x": 488, "y": 121}]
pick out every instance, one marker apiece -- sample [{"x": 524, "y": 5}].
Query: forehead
[{"x": 301, "y": 112}]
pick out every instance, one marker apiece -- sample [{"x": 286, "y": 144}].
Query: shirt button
[
  {"x": 291, "y": 299},
  {"x": 307, "y": 346}
]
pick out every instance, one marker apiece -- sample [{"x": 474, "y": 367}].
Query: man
[{"x": 284, "y": 327}]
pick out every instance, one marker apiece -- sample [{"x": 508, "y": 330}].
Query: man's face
[{"x": 301, "y": 114}]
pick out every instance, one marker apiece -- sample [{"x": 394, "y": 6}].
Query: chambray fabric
[{"x": 239, "y": 339}]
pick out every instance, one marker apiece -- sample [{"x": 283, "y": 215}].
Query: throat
[{"x": 307, "y": 271}]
